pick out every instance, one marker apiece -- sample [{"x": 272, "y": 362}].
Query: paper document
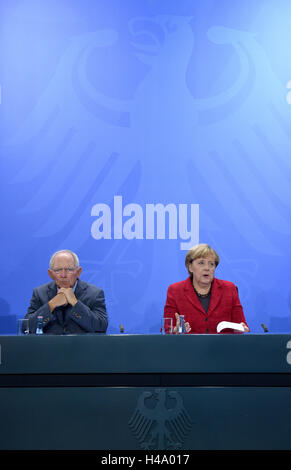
[{"x": 228, "y": 324}]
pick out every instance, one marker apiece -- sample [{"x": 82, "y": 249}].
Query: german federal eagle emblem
[{"x": 160, "y": 420}]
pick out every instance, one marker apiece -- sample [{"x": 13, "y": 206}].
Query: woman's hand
[
  {"x": 176, "y": 328},
  {"x": 246, "y": 328}
]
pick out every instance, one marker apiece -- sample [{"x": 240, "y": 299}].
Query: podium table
[{"x": 192, "y": 392}]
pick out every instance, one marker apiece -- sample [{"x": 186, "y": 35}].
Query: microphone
[
  {"x": 121, "y": 328},
  {"x": 264, "y": 327}
]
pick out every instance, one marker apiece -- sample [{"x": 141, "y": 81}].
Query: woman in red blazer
[{"x": 203, "y": 300}]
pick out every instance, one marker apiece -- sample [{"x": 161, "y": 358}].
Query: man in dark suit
[{"x": 67, "y": 304}]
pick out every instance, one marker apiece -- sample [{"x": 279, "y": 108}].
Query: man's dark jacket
[{"x": 87, "y": 316}]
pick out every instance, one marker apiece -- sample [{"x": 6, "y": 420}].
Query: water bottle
[
  {"x": 182, "y": 328},
  {"x": 39, "y": 325}
]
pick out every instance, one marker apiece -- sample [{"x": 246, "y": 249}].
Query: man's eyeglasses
[{"x": 67, "y": 270}]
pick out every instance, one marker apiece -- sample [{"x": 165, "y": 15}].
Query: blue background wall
[{"x": 142, "y": 103}]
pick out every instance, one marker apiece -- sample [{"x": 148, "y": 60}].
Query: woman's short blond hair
[{"x": 200, "y": 251}]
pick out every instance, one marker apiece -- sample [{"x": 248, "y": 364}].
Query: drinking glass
[
  {"x": 167, "y": 326},
  {"x": 22, "y": 326}
]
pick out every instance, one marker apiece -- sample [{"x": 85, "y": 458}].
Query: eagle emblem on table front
[{"x": 160, "y": 420}]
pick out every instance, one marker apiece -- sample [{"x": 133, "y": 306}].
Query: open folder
[{"x": 228, "y": 324}]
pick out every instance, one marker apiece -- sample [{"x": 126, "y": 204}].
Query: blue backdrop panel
[{"x": 130, "y": 131}]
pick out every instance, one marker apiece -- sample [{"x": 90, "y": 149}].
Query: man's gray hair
[{"x": 76, "y": 259}]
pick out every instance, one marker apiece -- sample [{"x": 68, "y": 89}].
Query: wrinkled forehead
[
  {"x": 63, "y": 260},
  {"x": 205, "y": 254}
]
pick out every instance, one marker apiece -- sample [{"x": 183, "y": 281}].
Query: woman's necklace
[{"x": 203, "y": 296}]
